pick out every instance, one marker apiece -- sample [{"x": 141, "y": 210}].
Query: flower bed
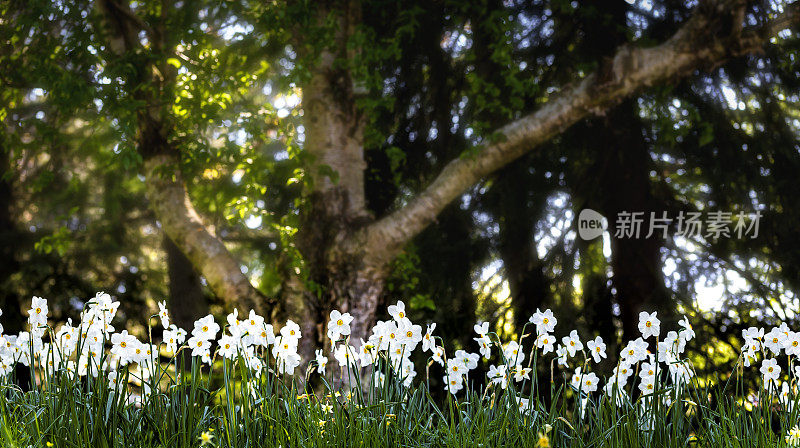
[{"x": 245, "y": 385}]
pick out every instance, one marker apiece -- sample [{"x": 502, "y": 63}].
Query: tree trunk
[
  {"x": 624, "y": 177},
  {"x": 336, "y": 207},
  {"x": 358, "y": 292},
  {"x": 187, "y": 302},
  {"x": 298, "y": 303},
  {"x": 517, "y": 209},
  {"x": 13, "y": 319}
]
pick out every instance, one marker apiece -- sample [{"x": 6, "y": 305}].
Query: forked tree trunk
[
  {"x": 343, "y": 276},
  {"x": 347, "y": 251}
]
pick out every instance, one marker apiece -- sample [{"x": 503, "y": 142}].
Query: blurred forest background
[{"x": 110, "y": 108}]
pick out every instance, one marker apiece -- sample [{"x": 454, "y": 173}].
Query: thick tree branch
[
  {"x": 712, "y": 36},
  {"x": 171, "y": 204}
]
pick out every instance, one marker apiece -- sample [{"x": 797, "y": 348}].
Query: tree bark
[
  {"x": 336, "y": 205},
  {"x": 187, "y": 302},
  {"x": 13, "y": 319},
  {"x": 517, "y": 211},
  {"x": 298, "y": 303}
]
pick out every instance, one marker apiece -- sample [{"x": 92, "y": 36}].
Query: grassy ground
[{"x": 272, "y": 412}]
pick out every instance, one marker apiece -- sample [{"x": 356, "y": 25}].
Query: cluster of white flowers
[
  {"x": 78, "y": 349},
  {"x": 94, "y": 348},
  {"x": 82, "y": 349},
  {"x": 778, "y": 341},
  {"x": 634, "y": 356},
  {"x": 398, "y": 338}
]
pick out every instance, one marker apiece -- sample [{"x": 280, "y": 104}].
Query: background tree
[{"x": 304, "y": 156}]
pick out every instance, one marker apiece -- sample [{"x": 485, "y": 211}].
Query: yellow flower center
[{"x": 340, "y": 322}]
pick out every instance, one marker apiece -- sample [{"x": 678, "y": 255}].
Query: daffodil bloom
[
  {"x": 339, "y": 325},
  {"x": 649, "y": 325},
  {"x": 542, "y": 441},
  {"x": 771, "y": 371},
  {"x": 597, "y": 348},
  {"x": 545, "y": 342},
  {"x": 205, "y": 438},
  {"x": 398, "y": 312},
  {"x": 163, "y": 313},
  {"x": 793, "y": 438},
  {"x": 545, "y": 321},
  {"x": 572, "y": 343}
]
